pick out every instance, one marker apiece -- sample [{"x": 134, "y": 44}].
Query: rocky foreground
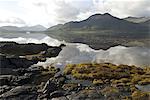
[{"x": 21, "y": 80}]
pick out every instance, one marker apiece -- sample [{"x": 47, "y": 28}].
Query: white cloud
[
  {"x": 124, "y": 8},
  {"x": 51, "y": 12}
]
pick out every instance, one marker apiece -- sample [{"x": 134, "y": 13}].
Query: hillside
[
  {"x": 137, "y": 19},
  {"x": 102, "y": 31},
  {"x": 36, "y": 28}
]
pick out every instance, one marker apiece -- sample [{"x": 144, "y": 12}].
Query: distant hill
[
  {"x": 137, "y": 19},
  {"x": 9, "y": 28},
  {"x": 35, "y": 28},
  {"x": 100, "y": 31}
]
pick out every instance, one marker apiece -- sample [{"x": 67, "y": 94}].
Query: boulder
[
  {"x": 20, "y": 92},
  {"x": 22, "y": 49},
  {"x": 54, "y": 51}
]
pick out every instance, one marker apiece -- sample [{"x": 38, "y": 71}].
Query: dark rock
[
  {"x": 7, "y": 71},
  {"x": 36, "y": 51},
  {"x": 21, "y": 80},
  {"x": 6, "y": 79},
  {"x": 20, "y": 71},
  {"x": 58, "y": 93},
  {"x": 54, "y": 51},
  {"x": 4, "y": 88},
  {"x": 49, "y": 87},
  {"x": 20, "y": 92},
  {"x": 60, "y": 98},
  {"x": 15, "y": 63},
  {"x": 22, "y": 49}
]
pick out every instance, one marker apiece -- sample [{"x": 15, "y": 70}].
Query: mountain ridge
[
  {"x": 22, "y": 29},
  {"x": 102, "y": 31}
]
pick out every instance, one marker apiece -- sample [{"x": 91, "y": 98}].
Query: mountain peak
[
  {"x": 99, "y": 16},
  {"x": 106, "y": 14}
]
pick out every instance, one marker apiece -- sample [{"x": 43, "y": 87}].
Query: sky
[{"x": 52, "y": 12}]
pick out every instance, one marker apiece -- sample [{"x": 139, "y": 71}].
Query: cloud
[
  {"x": 13, "y": 20},
  {"x": 124, "y": 8},
  {"x": 10, "y": 18},
  {"x": 63, "y": 10},
  {"x": 51, "y": 12}
]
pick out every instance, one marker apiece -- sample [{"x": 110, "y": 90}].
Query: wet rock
[{"x": 20, "y": 92}]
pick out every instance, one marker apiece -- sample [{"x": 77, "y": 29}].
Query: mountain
[
  {"x": 137, "y": 19},
  {"x": 35, "y": 28},
  {"x": 101, "y": 22},
  {"x": 9, "y": 29},
  {"x": 101, "y": 31}
]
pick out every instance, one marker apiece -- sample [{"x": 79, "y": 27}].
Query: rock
[
  {"x": 19, "y": 92},
  {"x": 21, "y": 80},
  {"x": 22, "y": 49},
  {"x": 7, "y": 71},
  {"x": 70, "y": 87},
  {"x": 87, "y": 94},
  {"x": 54, "y": 51},
  {"x": 4, "y": 88},
  {"x": 6, "y": 79},
  {"x": 60, "y": 98},
  {"x": 20, "y": 71},
  {"x": 35, "y": 69},
  {"x": 58, "y": 93},
  {"x": 49, "y": 87},
  {"x": 34, "y": 51},
  {"x": 138, "y": 95},
  {"x": 15, "y": 62}
]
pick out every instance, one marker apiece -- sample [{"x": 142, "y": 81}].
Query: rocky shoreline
[{"x": 21, "y": 79}]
